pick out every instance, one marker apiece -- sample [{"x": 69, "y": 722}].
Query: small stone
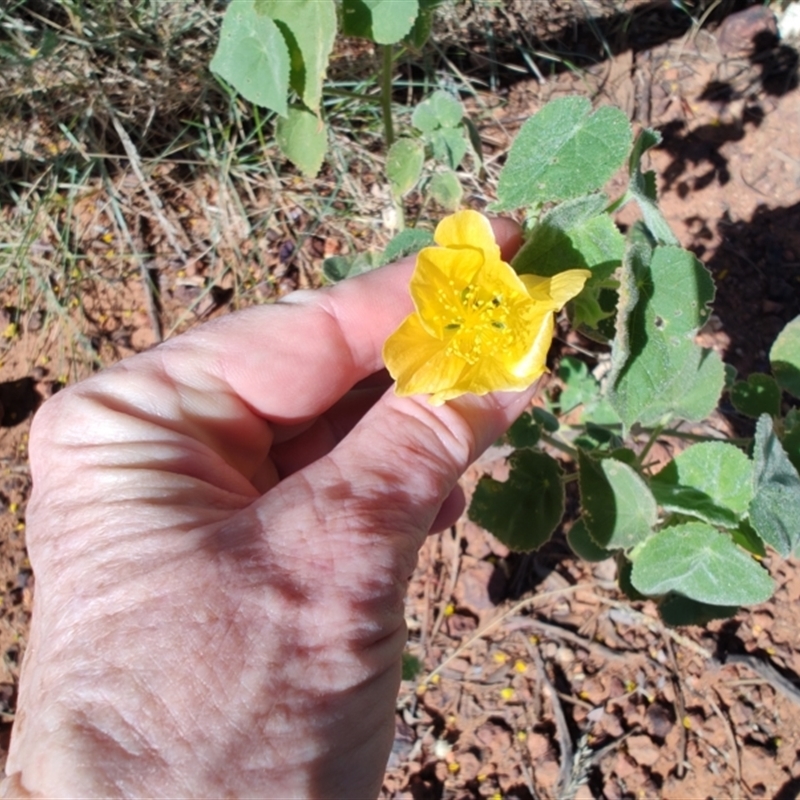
[
  {"x": 547, "y": 773},
  {"x": 469, "y": 766},
  {"x": 539, "y": 746},
  {"x": 658, "y": 720},
  {"x": 643, "y": 750},
  {"x": 616, "y": 688},
  {"x": 35, "y": 321},
  {"x": 624, "y": 766},
  {"x": 565, "y": 656}
]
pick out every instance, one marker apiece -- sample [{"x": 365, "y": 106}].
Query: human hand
[{"x": 222, "y": 531}]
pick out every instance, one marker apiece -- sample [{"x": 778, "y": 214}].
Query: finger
[
  {"x": 298, "y": 446},
  {"x": 450, "y": 511},
  {"x": 404, "y": 459}
]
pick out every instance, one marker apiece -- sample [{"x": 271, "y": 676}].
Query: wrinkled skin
[{"x": 222, "y": 534}]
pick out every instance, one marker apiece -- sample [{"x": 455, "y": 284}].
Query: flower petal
[
  {"x": 468, "y": 229},
  {"x": 418, "y": 361},
  {"x": 438, "y": 279},
  {"x": 558, "y": 289},
  {"x": 534, "y": 362}
]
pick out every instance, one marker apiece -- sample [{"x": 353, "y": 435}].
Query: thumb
[{"x": 405, "y": 456}]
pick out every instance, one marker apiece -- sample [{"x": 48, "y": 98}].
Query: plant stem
[
  {"x": 558, "y": 445},
  {"x": 386, "y": 94},
  {"x": 654, "y": 434}
]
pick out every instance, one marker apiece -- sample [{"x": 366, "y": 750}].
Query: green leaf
[
  {"x": 412, "y": 666},
  {"x": 404, "y": 165},
  {"x": 440, "y": 110},
  {"x": 580, "y": 386},
  {"x": 583, "y": 545},
  {"x": 337, "y": 268},
  {"x": 582, "y": 389},
  {"x": 624, "y": 569},
  {"x": 642, "y": 188},
  {"x": 575, "y": 234},
  {"x": 423, "y": 25},
  {"x": 748, "y": 539},
  {"x": 406, "y": 243},
  {"x": 382, "y": 21},
  {"x": 594, "y": 313},
  {"x": 524, "y": 511},
  {"x": 253, "y": 57},
  {"x": 546, "y": 419},
  {"x": 446, "y": 190},
  {"x": 791, "y": 444},
  {"x": 524, "y": 432},
  {"x": 303, "y": 138},
  {"x": 701, "y": 563},
  {"x": 475, "y": 142},
  {"x": 712, "y": 481},
  {"x": 657, "y": 370},
  {"x": 760, "y": 394},
  {"x": 618, "y": 508},
  {"x": 597, "y": 439},
  {"x": 677, "y": 610},
  {"x": 775, "y": 507},
  {"x": 785, "y": 358},
  {"x": 309, "y": 28},
  {"x": 563, "y": 151},
  {"x": 449, "y": 146}
]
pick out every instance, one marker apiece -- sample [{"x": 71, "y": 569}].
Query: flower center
[{"x": 475, "y": 321}]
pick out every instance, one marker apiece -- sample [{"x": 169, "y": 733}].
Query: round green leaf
[
  {"x": 309, "y": 28},
  {"x": 675, "y": 610},
  {"x": 253, "y": 57},
  {"x": 657, "y": 369},
  {"x": 446, "y": 190},
  {"x": 785, "y": 358},
  {"x": 524, "y": 511},
  {"x": 583, "y": 545},
  {"x": 618, "y": 508},
  {"x": 404, "y": 165},
  {"x": 524, "y": 432},
  {"x": 563, "y": 151},
  {"x": 303, "y": 138},
  {"x": 760, "y": 394},
  {"x": 712, "y": 481},
  {"x": 405, "y": 243},
  {"x": 699, "y": 562},
  {"x": 775, "y": 507},
  {"x": 440, "y": 110},
  {"x": 449, "y": 146},
  {"x": 382, "y": 21}
]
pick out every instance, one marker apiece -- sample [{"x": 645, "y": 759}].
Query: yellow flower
[{"x": 478, "y": 326}]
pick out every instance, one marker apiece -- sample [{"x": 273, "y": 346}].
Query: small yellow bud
[
  {"x": 500, "y": 658},
  {"x": 507, "y": 693},
  {"x": 520, "y": 666},
  {"x": 449, "y": 610},
  {"x": 453, "y": 767}
]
